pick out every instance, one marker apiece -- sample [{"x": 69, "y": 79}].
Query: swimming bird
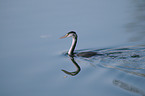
[{"x": 73, "y": 45}]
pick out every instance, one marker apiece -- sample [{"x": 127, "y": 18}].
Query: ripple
[{"x": 130, "y": 59}]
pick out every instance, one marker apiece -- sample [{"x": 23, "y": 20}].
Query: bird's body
[
  {"x": 74, "y": 42},
  {"x": 87, "y": 54}
]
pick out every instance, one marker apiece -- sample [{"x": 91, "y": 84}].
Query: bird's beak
[{"x": 63, "y": 36}]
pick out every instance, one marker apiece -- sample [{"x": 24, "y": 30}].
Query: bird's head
[{"x": 69, "y": 34}]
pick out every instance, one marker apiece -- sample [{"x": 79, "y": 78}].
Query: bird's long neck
[{"x": 73, "y": 45}]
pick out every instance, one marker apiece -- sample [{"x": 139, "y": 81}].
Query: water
[{"x": 32, "y": 57}]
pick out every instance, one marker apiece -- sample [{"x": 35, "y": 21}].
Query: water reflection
[
  {"x": 137, "y": 25},
  {"x": 76, "y": 65},
  {"x": 128, "y": 87}
]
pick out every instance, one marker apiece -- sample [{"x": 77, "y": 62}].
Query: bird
[{"x": 73, "y": 45}]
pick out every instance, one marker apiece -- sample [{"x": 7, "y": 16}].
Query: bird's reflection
[{"x": 76, "y": 65}]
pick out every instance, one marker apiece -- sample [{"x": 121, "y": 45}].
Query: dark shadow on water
[{"x": 128, "y": 87}]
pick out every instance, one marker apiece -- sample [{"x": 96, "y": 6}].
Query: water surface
[{"x": 32, "y": 56}]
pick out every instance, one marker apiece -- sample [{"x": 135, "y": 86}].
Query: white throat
[{"x": 72, "y": 46}]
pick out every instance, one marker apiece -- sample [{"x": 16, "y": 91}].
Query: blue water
[{"x": 32, "y": 56}]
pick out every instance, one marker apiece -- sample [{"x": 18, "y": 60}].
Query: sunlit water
[{"x": 33, "y": 61}]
